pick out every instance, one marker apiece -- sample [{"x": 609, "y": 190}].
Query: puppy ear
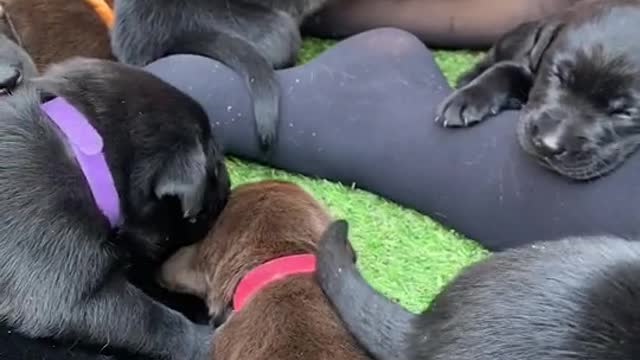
[
  {"x": 185, "y": 177},
  {"x": 545, "y": 35}
]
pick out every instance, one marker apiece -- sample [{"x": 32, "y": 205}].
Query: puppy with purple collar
[{"x": 102, "y": 163}]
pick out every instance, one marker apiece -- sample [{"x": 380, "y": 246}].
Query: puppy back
[
  {"x": 574, "y": 296},
  {"x": 262, "y": 221},
  {"x": 290, "y": 319},
  {"x": 55, "y": 30}
]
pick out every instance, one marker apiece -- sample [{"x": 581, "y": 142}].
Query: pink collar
[
  {"x": 87, "y": 147},
  {"x": 269, "y": 272}
]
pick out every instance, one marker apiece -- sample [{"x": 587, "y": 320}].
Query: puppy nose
[
  {"x": 10, "y": 78},
  {"x": 548, "y": 145}
]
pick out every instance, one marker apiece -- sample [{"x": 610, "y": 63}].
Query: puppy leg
[
  {"x": 504, "y": 86},
  {"x": 475, "y": 71},
  {"x": 525, "y": 43},
  {"x": 502, "y": 79},
  {"x": 122, "y": 316}
]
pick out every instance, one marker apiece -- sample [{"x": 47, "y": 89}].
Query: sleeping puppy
[
  {"x": 250, "y": 36},
  {"x": 258, "y": 260},
  {"x": 579, "y": 75},
  {"x": 569, "y": 299},
  {"x": 56, "y": 30},
  {"x": 104, "y": 164}
]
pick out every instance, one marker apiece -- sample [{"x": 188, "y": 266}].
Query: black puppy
[
  {"x": 114, "y": 165},
  {"x": 250, "y": 36},
  {"x": 17, "y": 66},
  {"x": 575, "y": 298},
  {"x": 578, "y": 73}
]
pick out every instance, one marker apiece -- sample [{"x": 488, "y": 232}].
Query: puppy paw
[{"x": 471, "y": 105}]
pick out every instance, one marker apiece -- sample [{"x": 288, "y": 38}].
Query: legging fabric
[{"x": 362, "y": 112}]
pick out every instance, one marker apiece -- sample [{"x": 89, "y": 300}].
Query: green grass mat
[{"x": 401, "y": 252}]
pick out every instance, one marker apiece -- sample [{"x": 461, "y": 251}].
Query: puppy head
[
  {"x": 167, "y": 165},
  {"x": 15, "y": 64},
  {"x": 261, "y": 221},
  {"x": 582, "y": 119}
]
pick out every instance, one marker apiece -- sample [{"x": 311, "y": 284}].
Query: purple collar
[{"x": 87, "y": 146}]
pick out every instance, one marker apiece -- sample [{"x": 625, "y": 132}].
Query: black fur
[
  {"x": 16, "y": 65},
  {"x": 14, "y": 346},
  {"x": 63, "y": 270},
  {"x": 251, "y": 37},
  {"x": 577, "y": 74},
  {"x": 575, "y": 298}
]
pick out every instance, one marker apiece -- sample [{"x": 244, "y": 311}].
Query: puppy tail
[
  {"x": 244, "y": 58},
  {"x": 378, "y": 324}
]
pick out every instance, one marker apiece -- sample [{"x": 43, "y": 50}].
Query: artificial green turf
[{"x": 401, "y": 252}]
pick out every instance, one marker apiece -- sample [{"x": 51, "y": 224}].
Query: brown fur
[
  {"x": 288, "y": 319},
  {"x": 55, "y": 30}
]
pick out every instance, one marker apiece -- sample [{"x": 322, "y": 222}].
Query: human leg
[
  {"x": 439, "y": 23},
  {"x": 362, "y": 112}
]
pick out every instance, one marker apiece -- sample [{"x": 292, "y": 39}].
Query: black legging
[{"x": 362, "y": 112}]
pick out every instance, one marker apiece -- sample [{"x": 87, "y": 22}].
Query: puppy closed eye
[
  {"x": 622, "y": 113},
  {"x": 618, "y": 109}
]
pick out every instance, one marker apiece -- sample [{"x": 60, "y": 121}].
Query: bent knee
[{"x": 393, "y": 41}]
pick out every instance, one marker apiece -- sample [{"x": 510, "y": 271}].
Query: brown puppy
[
  {"x": 262, "y": 228},
  {"x": 55, "y": 30}
]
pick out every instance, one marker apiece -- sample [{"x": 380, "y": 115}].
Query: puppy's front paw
[
  {"x": 469, "y": 106},
  {"x": 504, "y": 86}
]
